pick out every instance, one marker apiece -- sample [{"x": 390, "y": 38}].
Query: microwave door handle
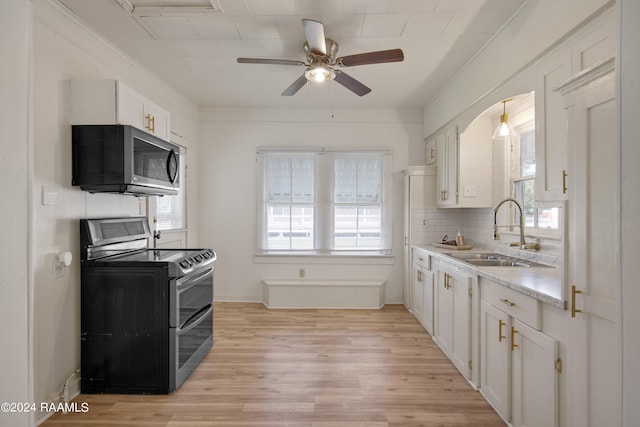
[{"x": 172, "y": 159}]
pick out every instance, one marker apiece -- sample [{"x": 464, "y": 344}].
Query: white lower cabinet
[
  {"x": 423, "y": 290},
  {"x": 518, "y": 374},
  {"x": 453, "y": 315}
]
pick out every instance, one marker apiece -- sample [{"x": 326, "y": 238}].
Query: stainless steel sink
[
  {"x": 493, "y": 260},
  {"x": 476, "y": 256},
  {"x": 497, "y": 263}
]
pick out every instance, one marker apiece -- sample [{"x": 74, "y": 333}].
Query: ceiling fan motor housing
[{"x": 329, "y": 58}]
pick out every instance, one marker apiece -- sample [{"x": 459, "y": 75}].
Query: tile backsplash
[{"x": 431, "y": 225}]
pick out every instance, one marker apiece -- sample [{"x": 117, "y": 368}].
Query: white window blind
[
  {"x": 171, "y": 211},
  {"x": 324, "y": 201}
]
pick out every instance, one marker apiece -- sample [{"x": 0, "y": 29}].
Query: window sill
[{"x": 324, "y": 258}]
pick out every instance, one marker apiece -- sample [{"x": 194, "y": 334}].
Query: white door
[
  {"x": 594, "y": 365},
  {"x": 444, "y": 313},
  {"x": 460, "y": 285},
  {"x": 535, "y": 379},
  {"x": 495, "y": 357},
  {"x": 427, "y": 308}
]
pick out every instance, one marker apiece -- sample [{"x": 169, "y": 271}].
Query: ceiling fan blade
[
  {"x": 314, "y": 31},
  {"x": 295, "y": 86},
  {"x": 350, "y": 83},
  {"x": 377, "y": 57},
  {"x": 269, "y": 61}
]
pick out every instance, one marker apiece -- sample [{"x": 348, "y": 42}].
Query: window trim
[{"x": 323, "y": 203}]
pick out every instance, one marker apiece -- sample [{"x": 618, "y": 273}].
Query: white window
[
  {"x": 324, "y": 201},
  {"x": 523, "y": 174},
  {"x": 171, "y": 211}
]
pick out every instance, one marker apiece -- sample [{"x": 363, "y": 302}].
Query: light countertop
[{"x": 542, "y": 283}]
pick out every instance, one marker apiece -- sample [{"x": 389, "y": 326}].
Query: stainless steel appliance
[
  {"x": 146, "y": 314},
  {"x": 123, "y": 159}
]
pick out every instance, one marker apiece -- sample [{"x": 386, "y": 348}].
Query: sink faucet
[{"x": 496, "y": 235}]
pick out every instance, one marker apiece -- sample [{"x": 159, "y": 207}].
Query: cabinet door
[
  {"x": 461, "y": 322},
  {"x": 427, "y": 307},
  {"x": 130, "y": 107},
  {"x": 444, "y": 313},
  {"x": 594, "y": 263},
  {"x": 495, "y": 369},
  {"x": 551, "y": 131},
  {"x": 418, "y": 292},
  {"x": 535, "y": 378},
  {"x": 156, "y": 120},
  {"x": 447, "y": 152}
]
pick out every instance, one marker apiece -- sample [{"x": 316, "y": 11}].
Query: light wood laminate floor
[{"x": 311, "y": 368}]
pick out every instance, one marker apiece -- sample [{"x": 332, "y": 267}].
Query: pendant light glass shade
[{"x": 504, "y": 129}]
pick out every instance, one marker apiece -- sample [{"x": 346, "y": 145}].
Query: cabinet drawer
[
  {"x": 521, "y": 306},
  {"x": 422, "y": 259}
]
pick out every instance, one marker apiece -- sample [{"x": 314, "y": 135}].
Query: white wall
[
  {"x": 15, "y": 51},
  {"x": 64, "y": 49},
  {"x": 228, "y": 142}
]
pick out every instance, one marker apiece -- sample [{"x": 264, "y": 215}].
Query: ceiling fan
[{"x": 321, "y": 60}]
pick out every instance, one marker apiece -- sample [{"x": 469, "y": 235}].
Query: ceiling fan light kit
[
  {"x": 321, "y": 56},
  {"x": 319, "y": 73}
]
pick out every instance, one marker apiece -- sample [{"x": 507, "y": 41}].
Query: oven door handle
[
  {"x": 189, "y": 281},
  {"x": 202, "y": 314}
]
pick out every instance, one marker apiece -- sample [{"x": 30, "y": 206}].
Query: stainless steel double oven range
[{"x": 146, "y": 314}]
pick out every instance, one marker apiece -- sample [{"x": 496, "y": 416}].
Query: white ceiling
[{"x": 193, "y": 45}]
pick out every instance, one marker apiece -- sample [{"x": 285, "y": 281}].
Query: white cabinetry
[
  {"x": 593, "y": 269},
  {"x": 551, "y": 129},
  {"x": 113, "y": 102},
  {"x": 453, "y": 315},
  {"x": 518, "y": 373},
  {"x": 423, "y": 289},
  {"x": 464, "y": 165},
  {"x": 419, "y": 196}
]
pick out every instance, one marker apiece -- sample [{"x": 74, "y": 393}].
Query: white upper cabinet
[
  {"x": 113, "y": 102},
  {"x": 464, "y": 163},
  {"x": 551, "y": 129}
]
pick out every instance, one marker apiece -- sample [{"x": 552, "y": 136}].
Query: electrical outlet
[
  {"x": 469, "y": 191},
  {"x": 301, "y": 273}
]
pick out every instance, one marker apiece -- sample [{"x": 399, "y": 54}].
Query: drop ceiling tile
[
  {"x": 271, "y": 7},
  {"x": 290, "y": 27},
  {"x": 427, "y": 23},
  {"x": 317, "y": 7},
  {"x": 459, "y": 5},
  {"x": 352, "y": 46},
  {"x": 257, "y": 27},
  {"x": 338, "y": 27},
  {"x": 459, "y": 23},
  {"x": 265, "y": 48},
  {"x": 169, "y": 27},
  {"x": 207, "y": 65},
  {"x": 384, "y": 25},
  {"x": 366, "y": 6},
  {"x": 234, "y": 7},
  {"x": 215, "y": 27},
  {"x": 195, "y": 48},
  {"x": 412, "y": 6}
]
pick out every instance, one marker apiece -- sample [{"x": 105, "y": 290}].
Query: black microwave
[{"x": 123, "y": 159}]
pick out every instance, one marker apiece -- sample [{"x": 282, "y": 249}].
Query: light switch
[{"x": 469, "y": 191}]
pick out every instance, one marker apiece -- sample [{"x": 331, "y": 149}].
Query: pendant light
[{"x": 504, "y": 129}]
